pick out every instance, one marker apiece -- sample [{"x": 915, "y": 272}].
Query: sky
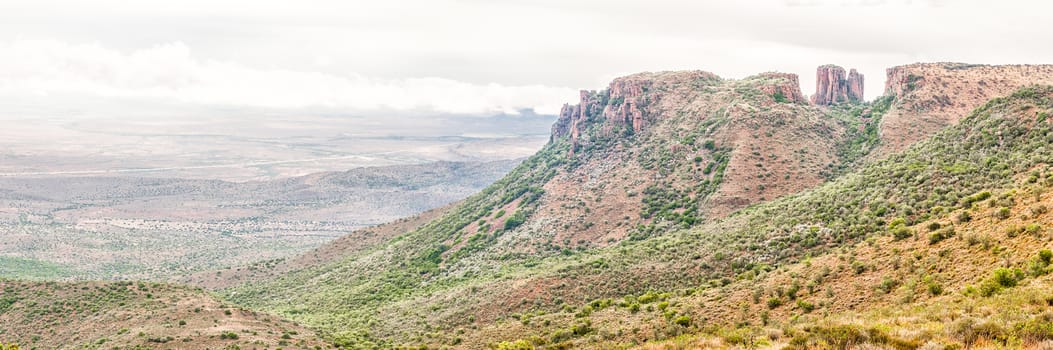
[{"x": 470, "y": 57}]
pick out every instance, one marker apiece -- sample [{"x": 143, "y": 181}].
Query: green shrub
[
  {"x": 887, "y": 284},
  {"x": 901, "y": 233},
  {"x": 1000, "y": 279},
  {"x": 514, "y": 345},
  {"x": 774, "y": 302},
  {"x": 1002, "y": 213},
  {"x": 805, "y": 306},
  {"x": 938, "y": 236}
]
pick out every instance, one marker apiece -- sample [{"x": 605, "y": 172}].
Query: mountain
[
  {"x": 684, "y": 210},
  {"x": 932, "y": 96},
  {"x": 947, "y": 212},
  {"x": 632, "y": 198}
]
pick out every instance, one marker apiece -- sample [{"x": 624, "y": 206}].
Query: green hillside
[{"x": 397, "y": 294}]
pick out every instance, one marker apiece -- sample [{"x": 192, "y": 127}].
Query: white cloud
[
  {"x": 171, "y": 72},
  {"x": 485, "y": 55}
]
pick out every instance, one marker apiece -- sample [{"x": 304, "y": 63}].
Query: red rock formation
[
  {"x": 855, "y": 86},
  {"x": 620, "y": 104},
  {"x": 624, "y": 102},
  {"x": 831, "y": 86},
  {"x": 786, "y": 84}
]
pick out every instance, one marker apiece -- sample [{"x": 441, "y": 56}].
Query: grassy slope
[
  {"x": 904, "y": 293},
  {"x": 932, "y": 181},
  {"x": 421, "y": 302},
  {"x": 343, "y": 297},
  {"x": 119, "y": 315},
  {"x": 371, "y": 294}
]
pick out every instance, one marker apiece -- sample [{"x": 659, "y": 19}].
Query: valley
[
  {"x": 671, "y": 210},
  {"x": 162, "y": 228}
]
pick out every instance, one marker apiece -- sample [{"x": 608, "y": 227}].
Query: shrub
[
  {"x": 935, "y": 288},
  {"x": 774, "y": 302},
  {"x": 969, "y": 331},
  {"x": 228, "y": 335},
  {"x": 805, "y": 306},
  {"x": 515, "y": 220},
  {"x": 1000, "y": 279},
  {"x": 1033, "y": 229},
  {"x": 901, "y": 233},
  {"x": 515, "y": 345},
  {"x": 887, "y": 284},
  {"x": 709, "y": 144},
  {"x": 1040, "y": 264},
  {"x": 682, "y": 321},
  {"x": 1002, "y": 213},
  {"x": 1014, "y": 230}
]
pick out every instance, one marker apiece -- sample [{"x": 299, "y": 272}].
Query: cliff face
[
  {"x": 832, "y": 86},
  {"x": 855, "y": 86},
  {"x": 620, "y": 107},
  {"x": 714, "y": 145},
  {"x": 932, "y": 96}
]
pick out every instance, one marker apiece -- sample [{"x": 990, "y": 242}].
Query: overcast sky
[{"x": 471, "y": 56}]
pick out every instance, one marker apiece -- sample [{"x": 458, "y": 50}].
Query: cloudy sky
[{"x": 469, "y": 56}]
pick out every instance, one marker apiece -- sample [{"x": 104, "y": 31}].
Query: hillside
[
  {"x": 932, "y": 96},
  {"x": 462, "y": 295},
  {"x": 1003, "y": 141},
  {"x": 654, "y": 152},
  {"x": 127, "y": 315},
  {"x": 328, "y": 253}
]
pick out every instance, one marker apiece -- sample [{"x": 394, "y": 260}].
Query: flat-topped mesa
[
  {"x": 832, "y": 86},
  {"x": 621, "y": 106},
  {"x": 785, "y": 87}
]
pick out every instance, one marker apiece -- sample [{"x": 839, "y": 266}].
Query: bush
[
  {"x": 901, "y": 233},
  {"x": 887, "y": 284},
  {"x": 1000, "y": 279},
  {"x": 935, "y": 288},
  {"x": 805, "y": 306},
  {"x": 1002, "y": 213},
  {"x": 682, "y": 321},
  {"x": 228, "y": 335},
  {"x": 515, "y": 220},
  {"x": 774, "y": 302},
  {"x": 515, "y": 345}
]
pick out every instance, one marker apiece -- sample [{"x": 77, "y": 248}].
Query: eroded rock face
[
  {"x": 833, "y": 86},
  {"x": 855, "y": 86},
  {"x": 932, "y": 96},
  {"x": 785, "y": 84}
]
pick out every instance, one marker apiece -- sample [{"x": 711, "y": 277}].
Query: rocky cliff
[
  {"x": 932, "y": 96},
  {"x": 832, "y": 86},
  {"x": 675, "y": 147}
]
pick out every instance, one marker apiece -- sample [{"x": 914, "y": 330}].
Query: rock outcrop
[
  {"x": 832, "y": 86},
  {"x": 784, "y": 86},
  {"x": 622, "y": 107},
  {"x": 932, "y": 96}
]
